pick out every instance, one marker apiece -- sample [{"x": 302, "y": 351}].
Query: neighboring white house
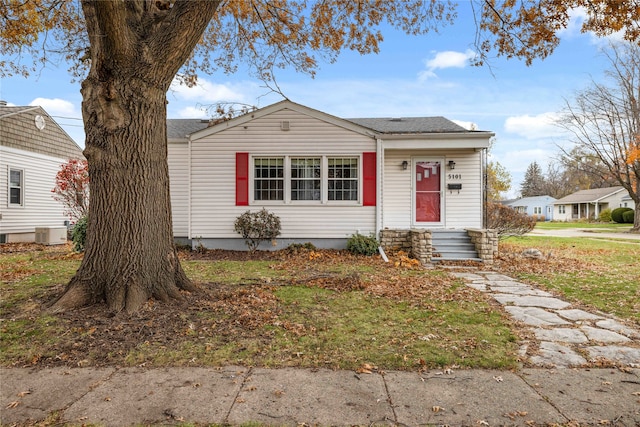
[
  {"x": 540, "y": 207},
  {"x": 627, "y": 202},
  {"x": 325, "y": 177},
  {"x": 588, "y": 203},
  {"x": 32, "y": 149}
]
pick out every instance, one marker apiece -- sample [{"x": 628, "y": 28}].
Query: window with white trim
[
  {"x": 306, "y": 179},
  {"x": 561, "y": 209},
  {"x": 16, "y": 187},
  {"x": 268, "y": 178},
  {"x": 313, "y": 179},
  {"x": 537, "y": 210},
  {"x": 342, "y": 175}
]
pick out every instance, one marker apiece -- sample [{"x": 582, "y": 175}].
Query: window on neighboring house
[
  {"x": 343, "y": 178},
  {"x": 537, "y": 210},
  {"x": 16, "y": 187},
  {"x": 561, "y": 209},
  {"x": 268, "y": 178},
  {"x": 306, "y": 179}
]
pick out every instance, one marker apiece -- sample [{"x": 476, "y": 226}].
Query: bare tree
[{"x": 604, "y": 121}]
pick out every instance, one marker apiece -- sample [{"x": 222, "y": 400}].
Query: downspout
[
  {"x": 189, "y": 190},
  {"x": 485, "y": 187},
  {"x": 379, "y": 172}
]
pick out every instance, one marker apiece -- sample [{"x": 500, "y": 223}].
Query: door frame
[{"x": 414, "y": 162}]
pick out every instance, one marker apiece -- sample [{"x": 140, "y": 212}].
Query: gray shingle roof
[
  {"x": 180, "y": 128},
  {"x": 436, "y": 124},
  {"x": 587, "y": 196}
]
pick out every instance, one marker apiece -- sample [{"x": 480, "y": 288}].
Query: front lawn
[
  {"x": 307, "y": 308},
  {"x": 603, "y": 274}
]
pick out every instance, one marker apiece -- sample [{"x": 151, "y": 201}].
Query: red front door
[{"x": 428, "y": 191}]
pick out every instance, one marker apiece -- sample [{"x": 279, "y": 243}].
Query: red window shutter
[
  {"x": 369, "y": 181},
  {"x": 242, "y": 179}
]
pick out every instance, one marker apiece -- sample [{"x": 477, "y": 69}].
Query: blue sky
[{"x": 411, "y": 76}]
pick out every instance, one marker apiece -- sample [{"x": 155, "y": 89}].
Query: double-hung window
[
  {"x": 268, "y": 178},
  {"x": 294, "y": 179},
  {"x": 16, "y": 187},
  {"x": 342, "y": 178},
  {"x": 306, "y": 179}
]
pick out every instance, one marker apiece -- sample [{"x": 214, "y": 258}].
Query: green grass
[
  {"x": 600, "y": 273},
  {"x": 612, "y": 226}
]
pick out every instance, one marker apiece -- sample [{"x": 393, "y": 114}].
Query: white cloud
[
  {"x": 56, "y": 107},
  {"x": 193, "y": 113},
  {"x": 206, "y": 92},
  {"x": 533, "y": 127},
  {"x": 446, "y": 59},
  {"x": 466, "y": 125}
]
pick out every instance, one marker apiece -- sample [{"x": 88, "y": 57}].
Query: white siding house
[
  {"x": 32, "y": 149},
  {"x": 588, "y": 203},
  {"x": 325, "y": 177}
]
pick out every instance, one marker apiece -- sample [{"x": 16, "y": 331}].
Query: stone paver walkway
[{"x": 568, "y": 336}]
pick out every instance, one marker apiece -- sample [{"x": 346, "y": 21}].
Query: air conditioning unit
[{"x": 51, "y": 235}]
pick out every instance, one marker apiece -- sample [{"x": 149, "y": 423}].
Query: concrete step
[{"x": 452, "y": 245}]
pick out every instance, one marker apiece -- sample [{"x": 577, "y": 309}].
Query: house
[
  {"x": 540, "y": 207},
  {"x": 328, "y": 178},
  {"x": 627, "y": 202},
  {"x": 32, "y": 148},
  {"x": 588, "y": 203}
]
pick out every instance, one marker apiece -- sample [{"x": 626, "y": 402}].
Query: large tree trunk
[
  {"x": 136, "y": 49},
  {"x": 130, "y": 254}
]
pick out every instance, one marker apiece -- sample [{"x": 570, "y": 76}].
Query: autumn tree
[
  {"x": 604, "y": 122},
  {"x": 72, "y": 188},
  {"x": 127, "y": 53},
  {"x": 498, "y": 180}
]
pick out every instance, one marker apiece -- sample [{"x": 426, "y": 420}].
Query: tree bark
[{"x": 136, "y": 49}]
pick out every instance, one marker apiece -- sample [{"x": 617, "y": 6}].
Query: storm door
[{"x": 427, "y": 193}]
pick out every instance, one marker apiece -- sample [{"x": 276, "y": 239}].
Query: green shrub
[
  {"x": 301, "y": 247},
  {"x": 628, "y": 216},
  {"x": 362, "y": 245},
  {"x": 605, "y": 216},
  {"x": 79, "y": 234},
  {"x": 256, "y": 227},
  {"x": 616, "y": 214}
]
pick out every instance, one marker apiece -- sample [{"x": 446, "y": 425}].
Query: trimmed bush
[
  {"x": 605, "y": 216},
  {"x": 363, "y": 245},
  {"x": 79, "y": 234},
  {"x": 628, "y": 216},
  {"x": 616, "y": 214},
  {"x": 256, "y": 227}
]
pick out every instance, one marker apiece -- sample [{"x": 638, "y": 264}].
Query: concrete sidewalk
[{"x": 293, "y": 397}]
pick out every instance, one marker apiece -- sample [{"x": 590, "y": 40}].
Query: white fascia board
[{"x": 437, "y": 140}]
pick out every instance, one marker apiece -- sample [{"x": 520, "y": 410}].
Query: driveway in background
[{"x": 584, "y": 232}]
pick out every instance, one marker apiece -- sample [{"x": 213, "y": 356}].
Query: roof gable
[
  {"x": 19, "y": 130},
  {"x": 282, "y": 105},
  {"x": 588, "y": 196}
]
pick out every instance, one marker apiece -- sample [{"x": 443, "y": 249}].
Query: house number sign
[{"x": 454, "y": 176}]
